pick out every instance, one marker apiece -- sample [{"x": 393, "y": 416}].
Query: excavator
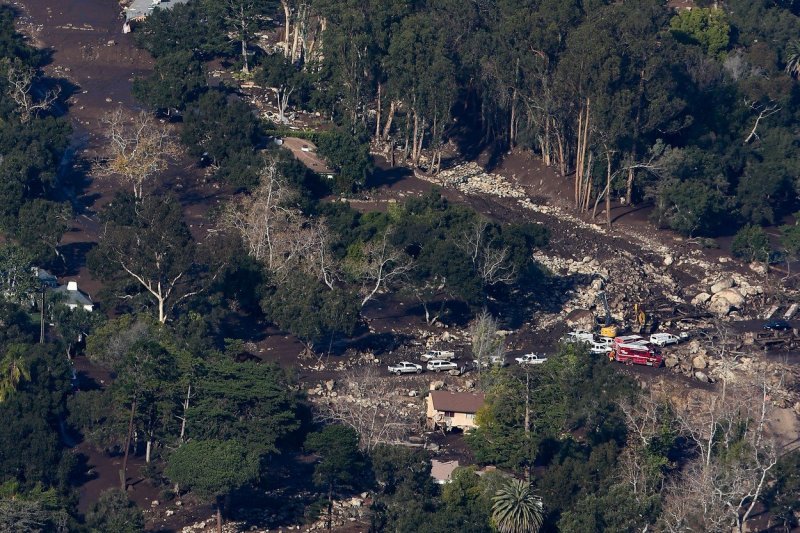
[
  {"x": 608, "y": 329},
  {"x": 639, "y": 318}
]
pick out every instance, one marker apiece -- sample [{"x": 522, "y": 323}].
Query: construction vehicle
[
  {"x": 608, "y": 329},
  {"x": 634, "y": 350},
  {"x": 639, "y": 318}
]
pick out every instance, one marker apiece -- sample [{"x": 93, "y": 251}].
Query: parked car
[
  {"x": 438, "y": 366},
  {"x": 493, "y": 360},
  {"x": 663, "y": 339},
  {"x": 777, "y": 325},
  {"x": 531, "y": 359},
  {"x": 578, "y": 336},
  {"x": 601, "y": 347},
  {"x": 404, "y": 367},
  {"x": 440, "y": 355}
]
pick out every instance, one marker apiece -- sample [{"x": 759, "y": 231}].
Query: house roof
[
  {"x": 73, "y": 297},
  {"x": 139, "y": 9},
  {"x": 442, "y": 471},
  {"x": 458, "y": 402}
]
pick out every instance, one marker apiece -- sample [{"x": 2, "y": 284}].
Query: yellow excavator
[{"x": 608, "y": 329}]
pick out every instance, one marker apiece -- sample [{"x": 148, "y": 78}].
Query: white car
[
  {"x": 601, "y": 347},
  {"x": 663, "y": 339},
  {"x": 439, "y": 355},
  {"x": 439, "y": 366},
  {"x": 578, "y": 336},
  {"x": 531, "y": 359},
  {"x": 404, "y": 367},
  {"x": 494, "y": 360}
]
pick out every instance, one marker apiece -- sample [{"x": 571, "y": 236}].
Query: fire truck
[{"x": 634, "y": 350}]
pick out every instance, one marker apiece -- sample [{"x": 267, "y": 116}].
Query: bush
[{"x": 751, "y": 244}]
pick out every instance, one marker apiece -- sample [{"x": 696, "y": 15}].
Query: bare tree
[
  {"x": 365, "y": 405},
  {"x": 139, "y": 148},
  {"x": 491, "y": 262},
  {"x": 21, "y": 79},
  {"x": 763, "y": 111},
  {"x": 262, "y": 214},
  {"x": 734, "y": 458},
  {"x": 379, "y": 264},
  {"x": 486, "y": 344}
]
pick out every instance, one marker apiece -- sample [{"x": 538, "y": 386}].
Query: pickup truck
[
  {"x": 404, "y": 367},
  {"x": 601, "y": 347},
  {"x": 531, "y": 359},
  {"x": 438, "y": 355},
  {"x": 577, "y": 336}
]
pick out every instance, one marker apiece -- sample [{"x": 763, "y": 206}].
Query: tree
[
  {"x": 17, "y": 274},
  {"x": 348, "y": 155},
  {"x": 30, "y": 100},
  {"x": 41, "y": 225},
  {"x": 14, "y": 369},
  {"x": 340, "y": 460},
  {"x": 113, "y": 511},
  {"x": 516, "y": 509},
  {"x": 212, "y": 469},
  {"x": 74, "y": 325},
  {"x": 252, "y": 404},
  {"x": 751, "y": 244},
  {"x": 790, "y": 240},
  {"x": 793, "y": 59},
  {"x": 139, "y": 148},
  {"x": 147, "y": 241},
  {"x": 486, "y": 344},
  {"x": 283, "y": 78},
  {"x": 178, "y": 78},
  {"x": 376, "y": 264},
  {"x": 368, "y": 409},
  {"x": 707, "y": 27}
]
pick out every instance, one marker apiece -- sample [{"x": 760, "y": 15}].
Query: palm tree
[
  {"x": 516, "y": 509},
  {"x": 13, "y": 369},
  {"x": 793, "y": 59}
]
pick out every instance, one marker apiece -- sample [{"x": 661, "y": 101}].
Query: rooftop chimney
[{"x": 72, "y": 286}]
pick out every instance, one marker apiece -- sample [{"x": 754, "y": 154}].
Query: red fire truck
[{"x": 634, "y": 350}]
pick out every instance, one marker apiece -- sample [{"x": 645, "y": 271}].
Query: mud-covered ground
[{"x": 97, "y": 64}]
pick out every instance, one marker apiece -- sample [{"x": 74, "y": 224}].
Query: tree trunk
[
  {"x": 287, "y": 13},
  {"x": 414, "y": 134},
  {"x": 185, "y": 410},
  {"x": 245, "y": 66},
  {"x": 162, "y": 316},
  {"x": 148, "y": 448},
  {"x": 388, "y": 127},
  {"x": 41, "y": 320},
  {"x": 330, "y": 505},
  {"x": 123, "y": 474},
  {"x": 608, "y": 191},
  {"x": 378, "y": 115},
  {"x": 219, "y": 516}
]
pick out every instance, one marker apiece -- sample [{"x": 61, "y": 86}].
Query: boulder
[
  {"x": 701, "y": 376},
  {"x": 721, "y": 285},
  {"x": 580, "y": 319},
  {"x": 701, "y": 298},
  {"x": 330, "y": 384},
  {"x": 671, "y": 361},
  {"x": 668, "y": 260},
  {"x": 699, "y": 362},
  {"x": 437, "y": 385},
  {"x": 758, "y": 268}
]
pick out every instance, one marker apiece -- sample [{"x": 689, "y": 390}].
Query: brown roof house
[{"x": 450, "y": 410}]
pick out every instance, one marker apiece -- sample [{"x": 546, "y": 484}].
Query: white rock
[
  {"x": 701, "y": 376},
  {"x": 668, "y": 260},
  {"x": 701, "y": 298},
  {"x": 721, "y": 285}
]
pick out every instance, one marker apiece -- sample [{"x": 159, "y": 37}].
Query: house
[
  {"x": 46, "y": 279},
  {"x": 138, "y": 10},
  {"x": 442, "y": 471},
  {"x": 73, "y": 297},
  {"x": 449, "y": 410}
]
